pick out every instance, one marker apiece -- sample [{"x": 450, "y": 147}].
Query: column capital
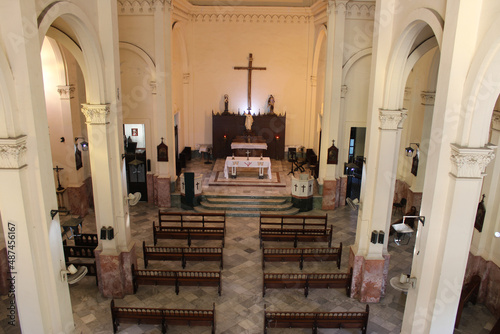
[
  {"x": 495, "y": 120},
  {"x": 470, "y": 162},
  {"x": 13, "y": 152},
  {"x": 343, "y": 91},
  {"x": 314, "y": 80},
  {"x": 185, "y": 77},
  {"x": 95, "y": 113},
  {"x": 153, "y": 86},
  {"x": 428, "y": 98},
  {"x": 66, "y": 91},
  {"x": 392, "y": 119}
]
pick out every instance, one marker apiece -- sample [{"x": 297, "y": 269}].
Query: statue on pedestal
[
  {"x": 248, "y": 121},
  {"x": 270, "y": 104},
  {"x": 226, "y": 104}
]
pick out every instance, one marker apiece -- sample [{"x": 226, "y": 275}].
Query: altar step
[{"x": 247, "y": 206}]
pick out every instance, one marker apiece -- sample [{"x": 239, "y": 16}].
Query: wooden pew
[
  {"x": 182, "y": 254},
  {"x": 81, "y": 252},
  {"x": 469, "y": 293},
  {"x": 301, "y": 255},
  {"x": 176, "y": 278},
  {"x": 307, "y": 281},
  {"x": 86, "y": 239},
  {"x": 315, "y": 320},
  {"x": 294, "y": 228},
  {"x": 190, "y": 226},
  {"x": 161, "y": 316}
]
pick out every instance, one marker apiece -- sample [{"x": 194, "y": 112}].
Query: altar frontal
[{"x": 241, "y": 162}]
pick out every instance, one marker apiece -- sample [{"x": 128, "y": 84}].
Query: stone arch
[
  {"x": 354, "y": 58},
  {"x": 178, "y": 29},
  {"x": 482, "y": 88},
  {"x": 396, "y": 78},
  {"x": 320, "y": 39},
  {"x": 87, "y": 37},
  {"x": 143, "y": 55}
]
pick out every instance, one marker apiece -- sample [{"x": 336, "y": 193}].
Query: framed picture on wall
[
  {"x": 162, "y": 151},
  {"x": 135, "y": 132},
  {"x": 333, "y": 154}
]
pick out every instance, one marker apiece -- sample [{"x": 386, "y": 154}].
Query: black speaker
[
  {"x": 103, "y": 233},
  {"x": 381, "y": 235},
  {"x": 374, "y": 237},
  {"x": 111, "y": 233}
]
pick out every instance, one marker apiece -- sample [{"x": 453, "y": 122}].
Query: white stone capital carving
[
  {"x": 95, "y": 113},
  {"x": 66, "y": 92},
  {"x": 495, "y": 120},
  {"x": 343, "y": 91},
  {"x": 392, "y": 119},
  {"x": 470, "y": 162},
  {"x": 185, "y": 78},
  {"x": 13, "y": 152},
  {"x": 428, "y": 98},
  {"x": 153, "y": 86}
]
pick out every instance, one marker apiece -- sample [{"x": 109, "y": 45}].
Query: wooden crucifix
[{"x": 250, "y": 68}]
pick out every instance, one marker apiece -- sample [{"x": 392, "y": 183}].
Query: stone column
[
  {"x": 113, "y": 257},
  {"x": 331, "y": 115},
  {"x": 370, "y": 261}
]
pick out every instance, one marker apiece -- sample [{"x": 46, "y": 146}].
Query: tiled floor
[{"x": 240, "y": 307}]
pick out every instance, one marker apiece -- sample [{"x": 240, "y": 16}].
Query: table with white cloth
[{"x": 243, "y": 162}]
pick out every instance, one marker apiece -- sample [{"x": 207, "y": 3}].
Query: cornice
[
  {"x": 136, "y": 7},
  {"x": 470, "y": 162},
  {"x": 228, "y": 14},
  {"x": 13, "y": 152},
  {"x": 392, "y": 119},
  {"x": 360, "y": 10}
]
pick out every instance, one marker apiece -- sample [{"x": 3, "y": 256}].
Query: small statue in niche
[
  {"x": 248, "y": 121},
  {"x": 270, "y": 104}
]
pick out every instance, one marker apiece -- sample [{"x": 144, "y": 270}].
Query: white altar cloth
[
  {"x": 250, "y": 146},
  {"x": 243, "y": 162}
]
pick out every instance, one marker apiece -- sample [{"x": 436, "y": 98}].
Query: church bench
[
  {"x": 190, "y": 226},
  {"x": 182, "y": 254},
  {"x": 86, "y": 239},
  {"x": 176, "y": 278},
  {"x": 162, "y": 317},
  {"x": 307, "y": 281},
  {"x": 81, "y": 252},
  {"x": 294, "y": 228},
  {"x": 302, "y": 255},
  {"x": 469, "y": 293},
  {"x": 315, "y": 320}
]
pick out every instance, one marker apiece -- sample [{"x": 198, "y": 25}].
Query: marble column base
[
  {"x": 329, "y": 191},
  {"x": 4, "y": 272},
  {"x": 150, "y": 180},
  {"x": 163, "y": 185},
  {"x": 78, "y": 202},
  {"x": 155, "y": 189},
  {"x": 343, "y": 190},
  {"x": 369, "y": 278},
  {"x": 489, "y": 290},
  {"x": 115, "y": 274}
]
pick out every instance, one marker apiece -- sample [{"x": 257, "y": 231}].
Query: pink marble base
[
  {"x": 369, "y": 278},
  {"x": 114, "y": 273},
  {"x": 163, "y": 186},
  {"x": 150, "y": 180},
  {"x": 329, "y": 190},
  {"x": 343, "y": 190},
  {"x": 77, "y": 200},
  {"x": 155, "y": 189},
  {"x": 489, "y": 290},
  {"x": 4, "y": 272}
]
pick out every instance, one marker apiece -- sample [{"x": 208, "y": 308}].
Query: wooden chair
[{"x": 399, "y": 206}]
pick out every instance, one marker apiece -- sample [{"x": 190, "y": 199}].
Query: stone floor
[{"x": 240, "y": 307}]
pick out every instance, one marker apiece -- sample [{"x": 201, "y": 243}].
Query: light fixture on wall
[
  {"x": 84, "y": 144},
  {"x": 409, "y": 150}
]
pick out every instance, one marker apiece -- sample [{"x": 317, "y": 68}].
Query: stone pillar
[
  {"x": 331, "y": 115},
  {"x": 428, "y": 101},
  {"x": 370, "y": 261},
  {"x": 113, "y": 257}
]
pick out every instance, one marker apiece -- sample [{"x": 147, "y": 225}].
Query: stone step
[
  {"x": 243, "y": 213},
  {"x": 246, "y": 207},
  {"x": 246, "y": 201}
]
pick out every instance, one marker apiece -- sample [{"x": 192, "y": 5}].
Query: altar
[{"x": 243, "y": 162}]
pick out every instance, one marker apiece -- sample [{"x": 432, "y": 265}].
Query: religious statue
[
  {"x": 226, "y": 103},
  {"x": 248, "y": 121},
  {"x": 270, "y": 104}
]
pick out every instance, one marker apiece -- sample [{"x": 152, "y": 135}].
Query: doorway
[
  {"x": 134, "y": 138},
  {"x": 354, "y": 166}
]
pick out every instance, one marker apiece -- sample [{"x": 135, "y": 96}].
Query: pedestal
[
  {"x": 302, "y": 192},
  {"x": 60, "y": 199},
  {"x": 114, "y": 272},
  {"x": 190, "y": 197},
  {"x": 369, "y": 277},
  {"x": 163, "y": 187},
  {"x": 329, "y": 190}
]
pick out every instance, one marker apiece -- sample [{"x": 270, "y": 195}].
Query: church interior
[{"x": 382, "y": 116}]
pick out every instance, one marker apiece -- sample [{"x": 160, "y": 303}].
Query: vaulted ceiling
[{"x": 262, "y": 3}]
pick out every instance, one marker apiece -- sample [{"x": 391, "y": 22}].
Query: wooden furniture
[
  {"x": 190, "y": 226},
  {"x": 86, "y": 239},
  {"x": 161, "y": 316},
  {"x": 77, "y": 253},
  {"x": 176, "y": 278},
  {"x": 182, "y": 254},
  {"x": 301, "y": 255},
  {"x": 294, "y": 228},
  {"x": 469, "y": 293},
  {"x": 243, "y": 162},
  {"x": 315, "y": 320},
  {"x": 307, "y": 281},
  {"x": 271, "y": 127}
]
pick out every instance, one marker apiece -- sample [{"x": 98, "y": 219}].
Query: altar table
[
  {"x": 244, "y": 162},
  {"x": 250, "y": 146}
]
